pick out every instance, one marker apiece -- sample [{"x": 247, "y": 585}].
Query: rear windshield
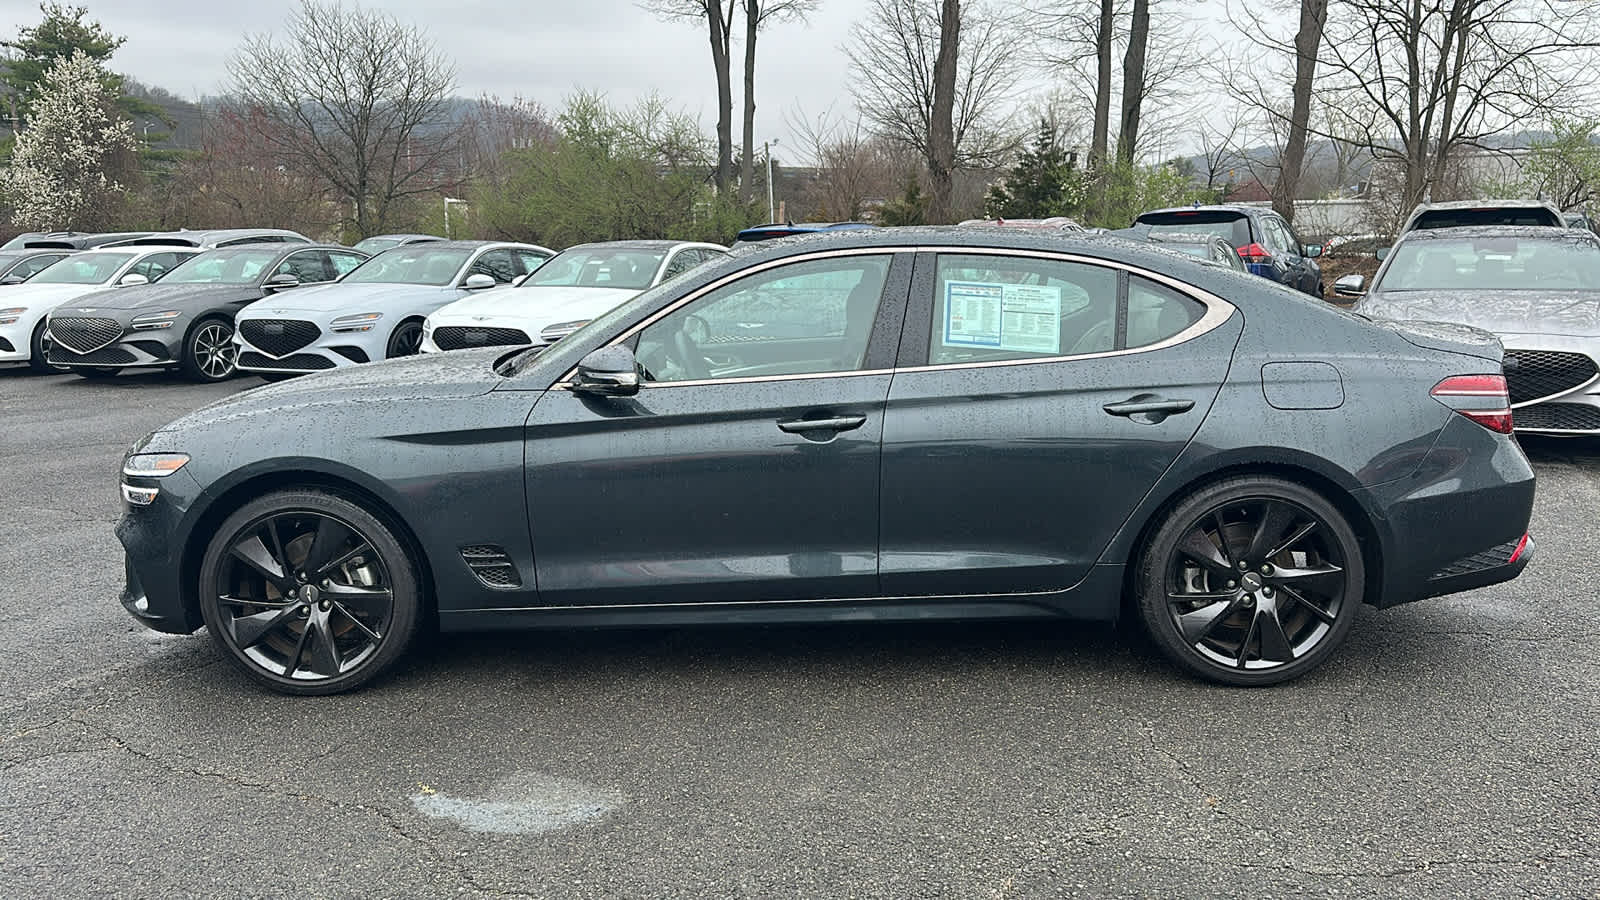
[
  {"x": 1230, "y": 226},
  {"x": 1493, "y": 264},
  {"x": 1464, "y": 218}
]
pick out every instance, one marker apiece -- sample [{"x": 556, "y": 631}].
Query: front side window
[
  {"x": 805, "y": 318},
  {"x": 157, "y": 264},
  {"x": 223, "y": 267},
  {"x": 309, "y": 267},
  {"x": 497, "y": 264}
]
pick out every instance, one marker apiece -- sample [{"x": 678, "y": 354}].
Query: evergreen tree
[
  {"x": 910, "y": 208},
  {"x": 1045, "y": 181},
  {"x": 63, "y": 32}
]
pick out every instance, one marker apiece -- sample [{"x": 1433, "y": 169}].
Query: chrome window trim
[{"x": 1217, "y": 312}]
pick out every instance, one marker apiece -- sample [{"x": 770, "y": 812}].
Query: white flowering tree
[{"x": 61, "y": 172}]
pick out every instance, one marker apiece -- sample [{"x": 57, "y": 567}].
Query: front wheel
[
  {"x": 208, "y": 353},
  {"x": 406, "y": 340},
  {"x": 1251, "y": 581},
  {"x": 309, "y": 593}
]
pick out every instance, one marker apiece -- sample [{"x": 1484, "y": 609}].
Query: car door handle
[
  {"x": 1147, "y": 405},
  {"x": 841, "y": 423}
]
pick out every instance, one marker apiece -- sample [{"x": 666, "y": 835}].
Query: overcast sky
[{"x": 540, "y": 50}]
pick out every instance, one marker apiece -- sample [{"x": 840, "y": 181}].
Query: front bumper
[
  {"x": 1555, "y": 385},
  {"x": 16, "y": 341},
  {"x": 153, "y": 558},
  {"x": 328, "y": 350}
]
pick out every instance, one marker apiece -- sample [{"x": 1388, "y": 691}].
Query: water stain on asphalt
[{"x": 521, "y": 804}]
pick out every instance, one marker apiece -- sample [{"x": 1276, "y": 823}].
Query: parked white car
[
  {"x": 579, "y": 284},
  {"x": 377, "y": 310},
  {"x": 25, "y": 307}
]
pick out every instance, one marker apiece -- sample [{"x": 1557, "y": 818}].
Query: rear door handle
[
  {"x": 841, "y": 423},
  {"x": 1146, "y": 405}
]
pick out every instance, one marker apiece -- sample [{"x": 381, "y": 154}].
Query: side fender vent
[{"x": 491, "y": 565}]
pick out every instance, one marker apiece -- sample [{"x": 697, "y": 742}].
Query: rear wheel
[
  {"x": 208, "y": 353},
  {"x": 406, "y": 340},
  {"x": 309, "y": 593},
  {"x": 1251, "y": 581}
]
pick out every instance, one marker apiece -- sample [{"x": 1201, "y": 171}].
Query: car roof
[
  {"x": 644, "y": 245},
  {"x": 1487, "y": 204},
  {"x": 785, "y": 229},
  {"x": 277, "y": 245},
  {"x": 467, "y": 245},
  {"x": 417, "y": 238},
  {"x": 195, "y": 238},
  {"x": 1526, "y": 232}
]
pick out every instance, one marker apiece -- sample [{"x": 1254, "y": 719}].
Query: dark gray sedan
[
  {"x": 1537, "y": 288},
  {"x": 875, "y": 425},
  {"x": 185, "y": 321}
]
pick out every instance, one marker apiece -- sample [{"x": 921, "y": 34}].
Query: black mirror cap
[{"x": 608, "y": 372}]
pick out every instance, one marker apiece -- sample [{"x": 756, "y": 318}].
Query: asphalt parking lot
[{"x": 1450, "y": 749}]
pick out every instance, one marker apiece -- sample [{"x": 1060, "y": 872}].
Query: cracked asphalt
[{"x": 1450, "y": 749}]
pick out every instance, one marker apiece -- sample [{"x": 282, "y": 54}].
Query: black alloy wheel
[
  {"x": 38, "y": 359},
  {"x": 1251, "y": 581},
  {"x": 209, "y": 354},
  {"x": 406, "y": 340},
  {"x": 308, "y": 593}
]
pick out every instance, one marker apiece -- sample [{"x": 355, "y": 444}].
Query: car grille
[
  {"x": 1477, "y": 562},
  {"x": 81, "y": 334},
  {"x": 105, "y": 356},
  {"x": 279, "y": 337},
  {"x": 1557, "y": 417},
  {"x": 460, "y": 337},
  {"x": 1545, "y": 373},
  {"x": 303, "y": 362},
  {"x": 491, "y": 565}
]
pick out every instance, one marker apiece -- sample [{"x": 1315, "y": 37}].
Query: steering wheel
[{"x": 687, "y": 347}]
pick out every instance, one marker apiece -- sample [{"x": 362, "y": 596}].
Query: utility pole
[
  {"x": 447, "y": 202},
  {"x": 772, "y": 210}
]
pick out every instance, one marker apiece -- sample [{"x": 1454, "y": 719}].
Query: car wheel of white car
[
  {"x": 406, "y": 340},
  {"x": 37, "y": 360}
]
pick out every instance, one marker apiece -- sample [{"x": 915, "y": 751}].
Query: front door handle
[
  {"x": 1148, "y": 408},
  {"x": 840, "y": 423}
]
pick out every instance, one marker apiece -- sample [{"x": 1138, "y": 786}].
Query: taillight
[
  {"x": 1482, "y": 398},
  {"x": 1522, "y": 547},
  {"x": 1254, "y": 253}
]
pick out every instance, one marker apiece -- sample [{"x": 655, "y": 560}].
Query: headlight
[
  {"x": 552, "y": 333},
  {"x": 10, "y": 316},
  {"x": 153, "y": 465},
  {"x": 360, "y": 322},
  {"x": 153, "y": 321}
]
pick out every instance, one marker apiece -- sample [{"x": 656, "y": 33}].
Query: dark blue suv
[
  {"x": 1267, "y": 244},
  {"x": 789, "y": 229}
]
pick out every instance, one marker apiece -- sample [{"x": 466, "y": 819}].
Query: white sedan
[
  {"x": 579, "y": 284},
  {"x": 377, "y": 310},
  {"x": 25, "y": 307}
]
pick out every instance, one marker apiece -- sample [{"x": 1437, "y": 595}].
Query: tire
[
  {"x": 1239, "y": 613},
  {"x": 208, "y": 354},
  {"x": 318, "y": 631},
  {"x": 37, "y": 361},
  {"x": 405, "y": 341}
]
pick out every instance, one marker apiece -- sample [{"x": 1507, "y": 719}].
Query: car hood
[
  {"x": 1502, "y": 312},
  {"x": 187, "y": 297},
  {"x": 330, "y": 298},
  {"x": 44, "y": 296},
  {"x": 431, "y": 377},
  {"x": 532, "y": 306}
]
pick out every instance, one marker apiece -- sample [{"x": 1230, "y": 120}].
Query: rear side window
[
  {"x": 998, "y": 308},
  {"x": 1230, "y": 226}
]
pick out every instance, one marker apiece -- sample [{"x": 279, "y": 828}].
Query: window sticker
[{"x": 1025, "y": 318}]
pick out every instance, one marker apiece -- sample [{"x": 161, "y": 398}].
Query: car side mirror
[
  {"x": 1311, "y": 251},
  {"x": 1350, "y": 286},
  {"x": 282, "y": 281},
  {"x": 477, "y": 281},
  {"x": 1380, "y": 254},
  {"x": 608, "y": 372},
  {"x": 12, "y": 279},
  {"x": 131, "y": 279}
]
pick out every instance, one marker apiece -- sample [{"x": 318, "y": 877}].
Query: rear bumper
[{"x": 1473, "y": 576}]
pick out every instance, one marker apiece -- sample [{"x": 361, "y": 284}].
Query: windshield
[
  {"x": 1493, "y": 264},
  {"x": 223, "y": 267},
  {"x": 377, "y": 245},
  {"x": 411, "y": 264},
  {"x": 1230, "y": 226},
  {"x": 632, "y": 269},
  {"x": 84, "y": 268}
]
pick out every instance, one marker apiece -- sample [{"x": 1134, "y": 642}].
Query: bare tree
[
  {"x": 352, "y": 97},
  {"x": 1307, "y": 45},
  {"x": 1133, "y": 80},
  {"x": 1417, "y": 83},
  {"x": 718, "y": 17},
  {"x": 1220, "y": 141},
  {"x": 937, "y": 80},
  {"x": 855, "y": 169},
  {"x": 758, "y": 14}
]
